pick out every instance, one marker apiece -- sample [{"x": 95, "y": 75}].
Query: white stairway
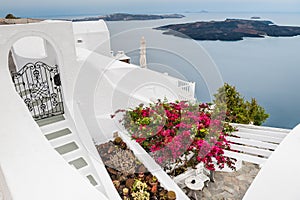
[{"x": 61, "y": 133}]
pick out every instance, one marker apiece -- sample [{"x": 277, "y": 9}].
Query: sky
[{"x": 38, "y": 8}]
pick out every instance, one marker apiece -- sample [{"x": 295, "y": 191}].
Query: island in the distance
[
  {"x": 229, "y": 30},
  {"x": 129, "y": 17}
]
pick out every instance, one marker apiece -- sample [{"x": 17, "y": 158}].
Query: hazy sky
[{"x": 27, "y": 8}]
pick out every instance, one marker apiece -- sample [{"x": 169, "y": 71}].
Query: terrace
[{"x": 58, "y": 126}]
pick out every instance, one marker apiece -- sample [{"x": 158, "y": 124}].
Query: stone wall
[{"x": 18, "y": 21}]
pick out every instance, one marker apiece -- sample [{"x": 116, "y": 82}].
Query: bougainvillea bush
[{"x": 179, "y": 132}]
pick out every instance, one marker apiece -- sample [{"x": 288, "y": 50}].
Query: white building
[
  {"x": 71, "y": 84},
  {"x": 66, "y": 69}
]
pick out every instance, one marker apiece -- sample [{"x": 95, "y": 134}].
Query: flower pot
[{"x": 171, "y": 195}]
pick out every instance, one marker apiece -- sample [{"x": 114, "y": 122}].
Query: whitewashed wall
[
  {"x": 92, "y": 35},
  {"x": 32, "y": 168},
  {"x": 279, "y": 177},
  {"x": 105, "y": 85},
  {"x": 59, "y": 34},
  {"x": 33, "y": 49}
]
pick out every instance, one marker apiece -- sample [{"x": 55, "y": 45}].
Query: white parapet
[
  {"x": 106, "y": 85},
  {"x": 154, "y": 168},
  {"x": 279, "y": 177},
  {"x": 31, "y": 167}
]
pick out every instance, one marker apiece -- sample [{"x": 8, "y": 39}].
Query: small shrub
[
  {"x": 10, "y": 16},
  {"x": 237, "y": 109}
]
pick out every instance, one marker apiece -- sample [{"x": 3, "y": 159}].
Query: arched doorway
[{"x": 35, "y": 73}]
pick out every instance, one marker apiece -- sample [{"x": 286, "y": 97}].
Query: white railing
[
  {"x": 186, "y": 89},
  {"x": 255, "y": 144},
  {"x": 185, "y": 86}
]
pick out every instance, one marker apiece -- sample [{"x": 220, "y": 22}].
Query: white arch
[
  {"x": 32, "y": 169},
  {"x": 60, "y": 37}
]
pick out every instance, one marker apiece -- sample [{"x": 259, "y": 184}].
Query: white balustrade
[{"x": 186, "y": 89}]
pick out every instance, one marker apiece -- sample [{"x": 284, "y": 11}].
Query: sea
[{"x": 267, "y": 69}]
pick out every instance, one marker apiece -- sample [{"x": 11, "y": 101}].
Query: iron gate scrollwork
[{"x": 39, "y": 86}]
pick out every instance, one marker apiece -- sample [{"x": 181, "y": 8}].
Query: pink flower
[
  {"x": 166, "y": 133},
  {"x": 159, "y": 160},
  {"x": 154, "y": 148},
  {"x": 140, "y": 140},
  {"x": 145, "y": 113},
  {"x": 175, "y": 135}
]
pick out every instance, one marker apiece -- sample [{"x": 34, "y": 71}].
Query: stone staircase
[{"x": 62, "y": 135}]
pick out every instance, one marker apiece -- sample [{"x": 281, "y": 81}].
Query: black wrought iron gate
[{"x": 39, "y": 86}]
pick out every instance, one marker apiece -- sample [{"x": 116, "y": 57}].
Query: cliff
[
  {"x": 229, "y": 30},
  {"x": 128, "y": 17}
]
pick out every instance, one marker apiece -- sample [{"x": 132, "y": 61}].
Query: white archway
[
  {"x": 35, "y": 74},
  {"x": 58, "y": 34}
]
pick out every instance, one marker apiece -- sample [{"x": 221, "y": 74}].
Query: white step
[
  {"x": 63, "y": 140},
  {"x": 258, "y": 137},
  {"x": 252, "y": 142},
  {"x": 78, "y": 163},
  {"x": 50, "y": 121},
  {"x": 277, "y": 134},
  {"x": 70, "y": 156},
  {"x": 67, "y": 148},
  {"x": 55, "y": 126},
  {"x": 251, "y": 150},
  {"x": 57, "y": 134},
  {"x": 245, "y": 157}
]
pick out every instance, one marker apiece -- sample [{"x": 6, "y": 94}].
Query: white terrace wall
[
  {"x": 31, "y": 167},
  {"x": 106, "y": 85},
  {"x": 279, "y": 177}
]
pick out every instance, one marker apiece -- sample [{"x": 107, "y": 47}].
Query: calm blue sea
[{"x": 267, "y": 69}]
